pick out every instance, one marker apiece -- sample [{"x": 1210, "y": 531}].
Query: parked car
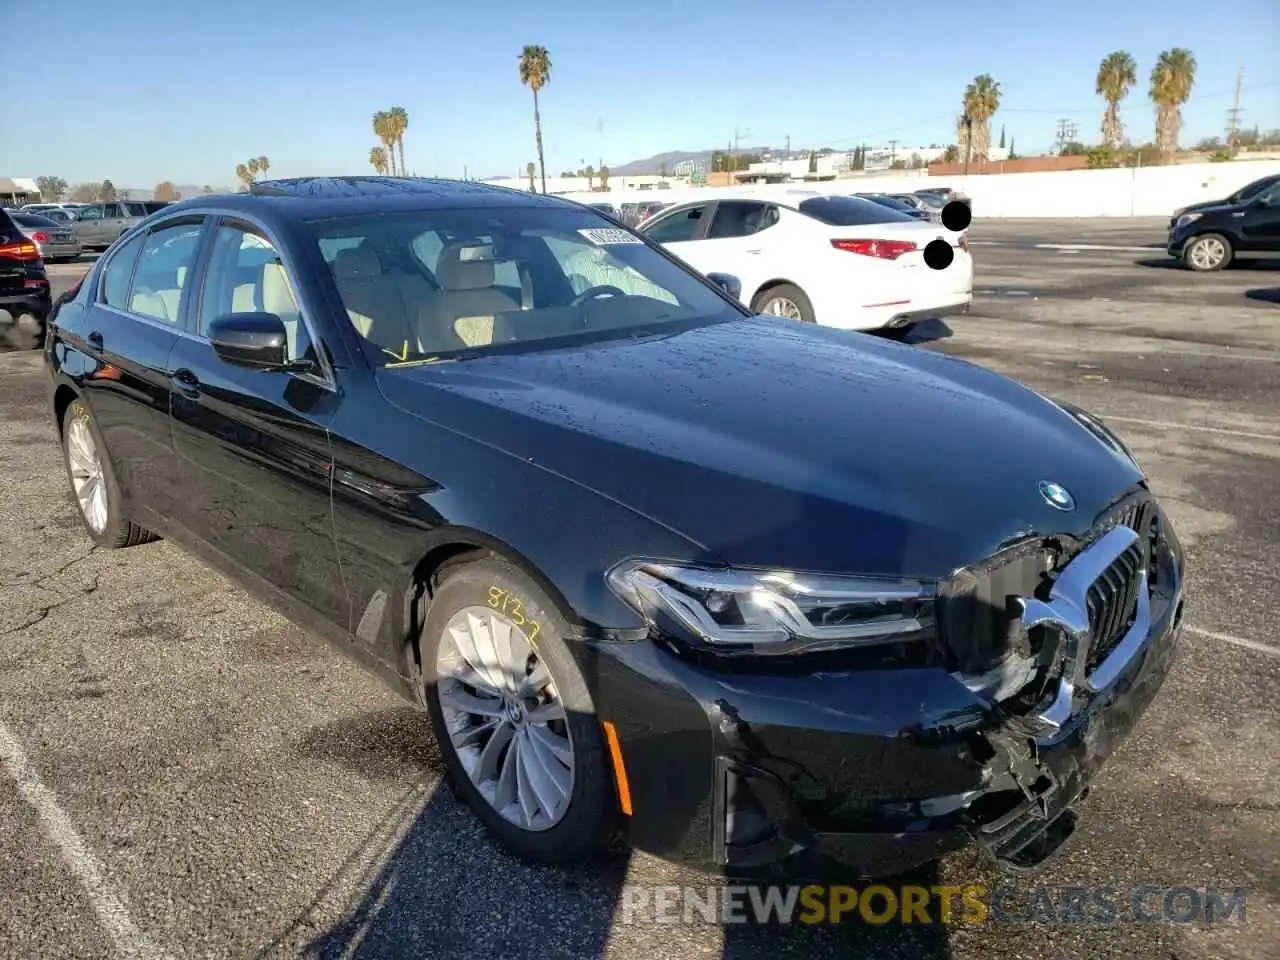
[
  {"x": 777, "y": 595},
  {"x": 635, "y": 213},
  {"x": 54, "y": 241},
  {"x": 99, "y": 225},
  {"x": 838, "y": 261},
  {"x": 608, "y": 208},
  {"x": 894, "y": 202},
  {"x": 1246, "y": 225},
  {"x": 61, "y": 216},
  {"x": 24, "y": 285}
]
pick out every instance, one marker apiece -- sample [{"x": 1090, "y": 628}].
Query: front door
[
  {"x": 88, "y": 225},
  {"x": 253, "y": 445},
  {"x": 114, "y": 222},
  {"x": 1261, "y": 226},
  {"x": 681, "y": 232}
]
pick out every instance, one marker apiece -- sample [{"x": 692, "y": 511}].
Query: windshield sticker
[{"x": 608, "y": 236}]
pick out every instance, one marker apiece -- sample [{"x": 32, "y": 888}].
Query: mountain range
[{"x": 668, "y": 160}]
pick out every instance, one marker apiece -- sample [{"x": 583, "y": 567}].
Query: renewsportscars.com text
[{"x": 971, "y": 903}]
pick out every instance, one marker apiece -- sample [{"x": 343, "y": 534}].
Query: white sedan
[{"x": 835, "y": 260}]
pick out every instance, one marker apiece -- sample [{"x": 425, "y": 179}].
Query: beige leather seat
[
  {"x": 278, "y": 298},
  {"x": 375, "y": 300},
  {"x": 468, "y": 301}
]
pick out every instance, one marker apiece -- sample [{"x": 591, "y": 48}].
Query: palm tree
[
  {"x": 535, "y": 73},
  {"x": 1116, "y": 74},
  {"x": 378, "y": 157},
  {"x": 253, "y": 169},
  {"x": 263, "y": 164},
  {"x": 245, "y": 176},
  {"x": 1171, "y": 80},
  {"x": 399, "y": 124},
  {"x": 383, "y": 127},
  {"x": 981, "y": 101},
  {"x": 590, "y": 171}
]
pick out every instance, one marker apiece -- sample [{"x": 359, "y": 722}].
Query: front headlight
[
  {"x": 1188, "y": 218},
  {"x": 757, "y": 611}
]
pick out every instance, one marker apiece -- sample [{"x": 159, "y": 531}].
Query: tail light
[
  {"x": 40, "y": 237},
  {"x": 22, "y": 250},
  {"x": 882, "y": 249}
]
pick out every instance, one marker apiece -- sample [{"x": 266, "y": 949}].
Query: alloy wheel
[
  {"x": 86, "y": 474},
  {"x": 782, "y": 307},
  {"x": 1208, "y": 253},
  {"x": 504, "y": 718}
]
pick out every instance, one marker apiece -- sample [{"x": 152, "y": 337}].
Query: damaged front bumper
[{"x": 866, "y": 773}]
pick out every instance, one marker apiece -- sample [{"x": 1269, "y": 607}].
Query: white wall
[{"x": 1140, "y": 192}]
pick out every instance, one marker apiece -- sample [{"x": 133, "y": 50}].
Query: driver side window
[{"x": 676, "y": 227}]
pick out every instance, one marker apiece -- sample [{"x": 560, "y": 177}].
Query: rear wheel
[
  {"x": 513, "y": 716},
  {"x": 93, "y": 483},
  {"x": 784, "y": 300},
  {"x": 1208, "y": 252}
]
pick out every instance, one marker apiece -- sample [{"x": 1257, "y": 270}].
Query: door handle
[
  {"x": 185, "y": 382},
  {"x": 95, "y": 339}
]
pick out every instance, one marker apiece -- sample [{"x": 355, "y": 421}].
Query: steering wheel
[{"x": 597, "y": 291}]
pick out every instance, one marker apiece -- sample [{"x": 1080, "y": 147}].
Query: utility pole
[
  {"x": 738, "y": 134},
  {"x": 1066, "y": 133},
  {"x": 788, "y": 156},
  {"x": 1233, "y": 115},
  {"x": 893, "y": 152}
]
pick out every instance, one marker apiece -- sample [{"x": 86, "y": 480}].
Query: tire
[
  {"x": 586, "y": 816},
  {"x": 1207, "y": 252},
  {"x": 108, "y": 529},
  {"x": 766, "y": 301}
]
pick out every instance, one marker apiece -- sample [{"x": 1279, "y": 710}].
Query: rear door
[
  {"x": 132, "y": 321},
  {"x": 114, "y": 221},
  {"x": 743, "y": 239}
]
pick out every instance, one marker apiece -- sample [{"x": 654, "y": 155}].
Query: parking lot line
[
  {"x": 1238, "y": 641},
  {"x": 1166, "y": 425},
  {"x": 129, "y": 940}
]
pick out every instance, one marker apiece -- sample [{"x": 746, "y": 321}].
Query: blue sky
[{"x": 191, "y": 89}]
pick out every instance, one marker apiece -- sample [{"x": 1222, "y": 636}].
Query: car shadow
[
  {"x": 1172, "y": 263},
  {"x": 1265, "y": 294},
  {"x": 1160, "y": 263},
  {"x": 430, "y": 881}
]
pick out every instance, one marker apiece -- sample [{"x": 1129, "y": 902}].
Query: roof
[{"x": 337, "y": 196}]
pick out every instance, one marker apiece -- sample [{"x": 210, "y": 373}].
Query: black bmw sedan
[{"x": 773, "y": 598}]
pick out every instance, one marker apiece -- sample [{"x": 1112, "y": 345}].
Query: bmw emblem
[{"x": 1056, "y": 495}]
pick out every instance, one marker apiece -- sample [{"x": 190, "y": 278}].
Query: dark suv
[
  {"x": 24, "y": 285},
  {"x": 1208, "y": 236}
]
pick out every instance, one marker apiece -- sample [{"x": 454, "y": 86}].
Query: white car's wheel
[{"x": 784, "y": 300}]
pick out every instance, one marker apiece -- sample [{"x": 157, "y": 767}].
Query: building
[{"x": 16, "y": 191}]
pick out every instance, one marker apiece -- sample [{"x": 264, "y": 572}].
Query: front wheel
[
  {"x": 515, "y": 721},
  {"x": 1207, "y": 252},
  {"x": 784, "y": 300}
]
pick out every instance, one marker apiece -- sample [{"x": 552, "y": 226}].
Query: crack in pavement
[{"x": 40, "y": 580}]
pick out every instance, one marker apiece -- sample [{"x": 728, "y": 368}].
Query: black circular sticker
[
  {"x": 938, "y": 254},
  {"x": 957, "y": 216}
]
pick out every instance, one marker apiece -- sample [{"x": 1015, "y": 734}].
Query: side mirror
[
  {"x": 254, "y": 340},
  {"x": 728, "y": 283}
]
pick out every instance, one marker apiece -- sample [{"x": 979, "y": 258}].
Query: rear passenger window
[
  {"x": 741, "y": 218},
  {"x": 115, "y": 277},
  {"x": 163, "y": 268}
]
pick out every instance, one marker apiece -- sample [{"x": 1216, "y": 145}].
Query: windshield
[
  {"x": 454, "y": 283},
  {"x": 33, "y": 220},
  {"x": 850, "y": 211},
  {"x": 1251, "y": 190}
]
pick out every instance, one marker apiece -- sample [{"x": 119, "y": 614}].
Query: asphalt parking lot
[{"x": 183, "y": 773}]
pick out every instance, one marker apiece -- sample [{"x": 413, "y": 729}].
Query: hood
[
  {"x": 1208, "y": 206},
  {"x": 775, "y": 444}
]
